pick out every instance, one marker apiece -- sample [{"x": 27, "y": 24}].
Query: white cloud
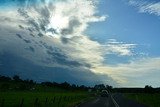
[
  {"x": 52, "y": 35},
  {"x": 151, "y": 8},
  {"x": 67, "y": 21},
  {"x": 119, "y": 48},
  {"x": 139, "y": 72},
  {"x": 146, "y": 7}
]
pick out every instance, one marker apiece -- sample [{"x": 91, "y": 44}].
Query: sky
[{"x": 114, "y": 42}]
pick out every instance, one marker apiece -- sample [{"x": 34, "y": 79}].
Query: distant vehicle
[{"x": 104, "y": 93}]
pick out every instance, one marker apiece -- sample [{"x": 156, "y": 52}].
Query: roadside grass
[
  {"x": 151, "y": 100},
  {"x": 42, "y": 99},
  {"x": 26, "y": 94}
]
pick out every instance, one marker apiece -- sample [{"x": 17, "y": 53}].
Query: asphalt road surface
[{"x": 115, "y": 100}]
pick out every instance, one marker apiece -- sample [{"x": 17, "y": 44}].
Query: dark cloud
[
  {"x": 32, "y": 35},
  {"x": 30, "y": 29},
  {"x": 73, "y": 23},
  {"x": 61, "y": 58},
  {"x": 23, "y": 13},
  {"x": 18, "y": 35},
  {"x": 30, "y": 48},
  {"x": 12, "y": 64},
  {"x": 34, "y": 25},
  {"x": 64, "y": 40},
  {"x": 21, "y": 37},
  {"x": 37, "y": 25},
  {"x": 21, "y": 27},
  {"x": 45, "y": 45},
  {"x": 52, "y": 30},
  {"x": 40, "y": 35},
  {"x": 44, "y": 13},
  {"x": 56, "y": 59},
  {"x": 26, "y": 41}
]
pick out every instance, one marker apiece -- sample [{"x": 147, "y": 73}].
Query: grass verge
[
  {"x": 42, "y": 99},
  {"x": 151, "y": 100}
]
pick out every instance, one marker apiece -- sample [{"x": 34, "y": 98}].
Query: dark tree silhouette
[
  {"x": 100, "y": 87},
  {"x": 49, "y": 84},
  {"x": 16, "y": 78},
  {"x": 65, "y": 85},
  {"x": 148, "y": 89},
  {"x": 109, "y": 88},
  {"x": 4, "y": 78}
]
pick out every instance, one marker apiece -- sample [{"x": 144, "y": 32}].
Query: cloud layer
[
  {"x": 49, "y": 35},
  {"x": 147, "y": 6},
  {"x": 135, "y": 73},
  {"x": 119, "y": 48}
]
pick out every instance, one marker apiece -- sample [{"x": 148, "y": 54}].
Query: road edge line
[{"x": 114, "y": 101}]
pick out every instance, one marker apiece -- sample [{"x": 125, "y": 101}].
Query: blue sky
[
  {"x": 126, "y": 24},
  {"x": 105, "y": 40}
]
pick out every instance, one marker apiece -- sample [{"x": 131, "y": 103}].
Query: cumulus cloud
[
  {"x": 147, "y": 7},
  {"x": 60, "y": 20},
  {"x": 50, "y": 33}
]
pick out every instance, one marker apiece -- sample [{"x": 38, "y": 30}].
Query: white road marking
[{"x": 115, "y": 103}]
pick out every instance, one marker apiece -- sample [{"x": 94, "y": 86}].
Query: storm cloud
[{"x": 49, "y": 36}]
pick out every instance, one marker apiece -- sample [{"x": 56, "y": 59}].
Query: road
[{"x": 114, "y": 100}]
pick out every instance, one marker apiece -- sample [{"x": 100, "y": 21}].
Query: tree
[
  {"x": 99, "y": 87},
  {"x": 110, "y": 88},
  {"x": 83, "y": 87},
  {"x": 16, "y": 78},
  {"x": 3, "y": 78},
  {"x": 66, "y": 85},
  {"x": 74, "y": 86},
  {"x": 49, "y": 84},
  {"x": 148, "y": 89},
  {"x": 31, "y": 82}
]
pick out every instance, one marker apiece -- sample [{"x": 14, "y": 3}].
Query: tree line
[{"x": 30, "y": 85}]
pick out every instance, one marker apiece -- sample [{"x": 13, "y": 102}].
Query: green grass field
[
  {"x": 151, "y": 100},
  {"x": 41, "y": 99},
  {"x": 20, "y": 94}
]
